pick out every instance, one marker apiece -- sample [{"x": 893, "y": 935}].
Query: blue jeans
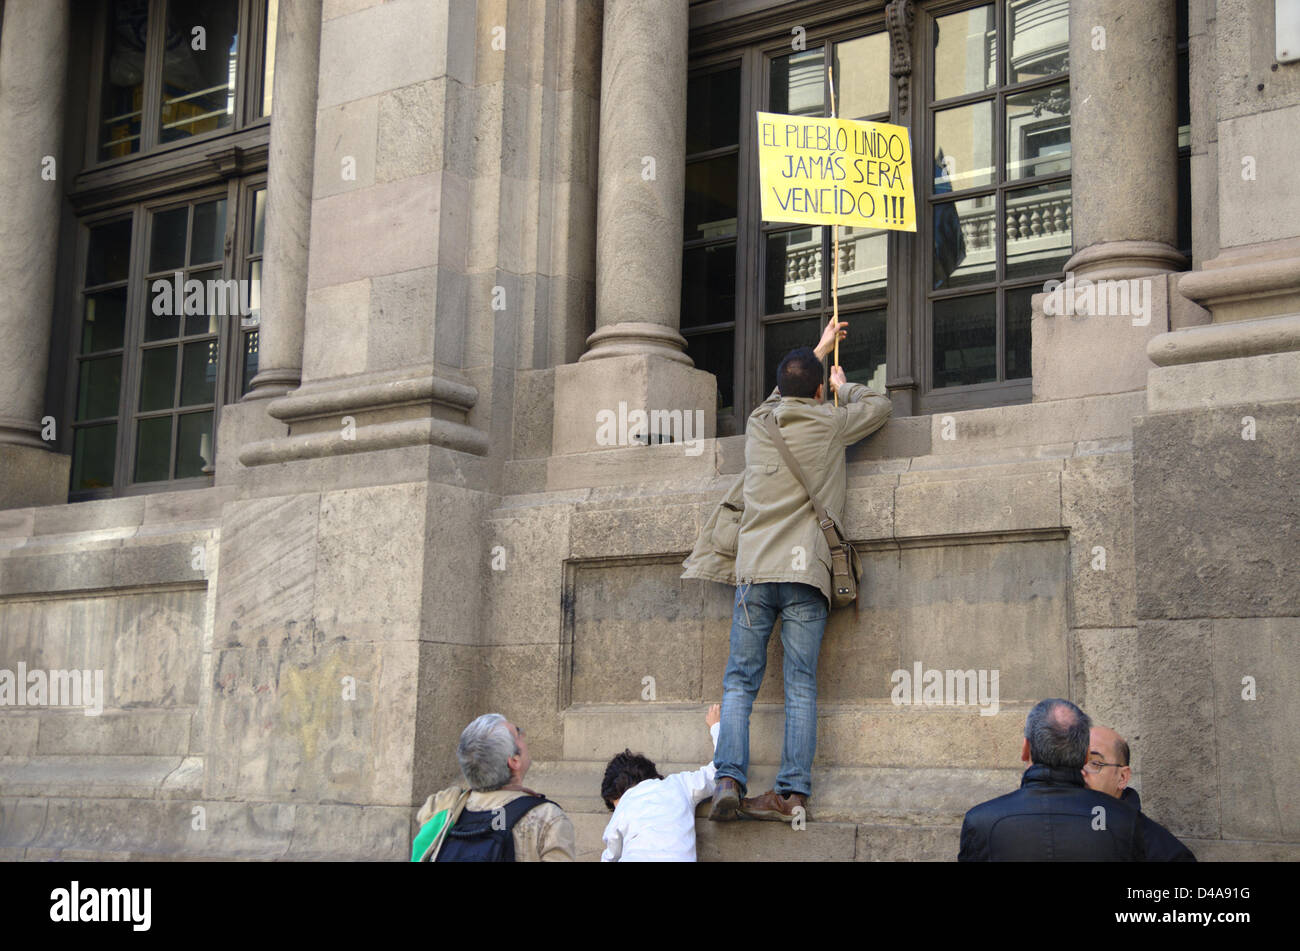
[{"x": 803, "y": 611}]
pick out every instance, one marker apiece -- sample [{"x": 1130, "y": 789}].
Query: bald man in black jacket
[{"x": 1054, "y": 816}]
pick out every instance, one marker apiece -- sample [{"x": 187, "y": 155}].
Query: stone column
[
  {"x": 637, "y": 356},
  {"x": 1124, "y": 183},
  {"x": 1124, "y": 132},
  {"x": 33, "y": 80},
  {"x": 288, "y": 198},
  {"x": 638, "y": 217}
]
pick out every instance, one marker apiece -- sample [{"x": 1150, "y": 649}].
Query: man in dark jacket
[
  {"x": 1108, "y": 771},
  {"x": 1054, "y": 816}
]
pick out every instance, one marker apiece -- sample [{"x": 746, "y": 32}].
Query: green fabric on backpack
[{"x": 428, "y": 834}]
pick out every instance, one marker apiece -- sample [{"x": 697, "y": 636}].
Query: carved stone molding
[{"x": 900, "y": 16}]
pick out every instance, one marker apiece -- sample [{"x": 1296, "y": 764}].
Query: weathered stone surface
[
  {"x": 1256, "y": 668},
  {"x": 1180, "y": 751},
  {"x": 1236, "y": 553},
  {"x": 32, "y": 476},
  {"x": 962, "y": 506},
  {"x": 1097, "y": 505},
  {"x": 1104, "y": 682},
  {"x": 868, "y": 734},
  {"x": 1260, "y": 379},
  {"x": 369, "y": 560}
]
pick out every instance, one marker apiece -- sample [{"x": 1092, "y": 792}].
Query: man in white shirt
[{"x": 654, "y": 816}]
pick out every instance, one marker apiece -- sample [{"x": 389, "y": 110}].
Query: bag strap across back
[{"x": 825, "y": 521}]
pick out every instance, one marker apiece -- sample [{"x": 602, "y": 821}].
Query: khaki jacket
[
  {"x": 765, "y": 528},
  {"x": 543, "y": 834}
]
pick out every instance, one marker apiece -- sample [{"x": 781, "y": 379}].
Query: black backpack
[{"x": 474, "y": 838}]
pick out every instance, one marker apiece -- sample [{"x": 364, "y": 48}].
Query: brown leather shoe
[
  {"x": 726, "y": 800},
  {"x": 775, "y": 807}
]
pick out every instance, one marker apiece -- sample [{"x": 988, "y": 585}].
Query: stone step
[
  {"x": 102, "y": 777},
  {"x": 889, "y": 795},
  {"x": 751, "y": 841},
  {"x": 861, "y": 734}
]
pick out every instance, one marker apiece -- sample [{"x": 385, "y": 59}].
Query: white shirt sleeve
[
  {"x": 613, "y": 837},
  {"x": 699, "y": 783}
]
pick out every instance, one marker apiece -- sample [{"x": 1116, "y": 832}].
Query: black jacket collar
[{"x": 1040, "y": 775}]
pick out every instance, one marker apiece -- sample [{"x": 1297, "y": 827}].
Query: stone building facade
[{"x": 307, "y": 544}]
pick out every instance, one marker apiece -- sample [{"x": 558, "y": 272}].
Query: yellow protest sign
[{"x": 835, "y": 172}]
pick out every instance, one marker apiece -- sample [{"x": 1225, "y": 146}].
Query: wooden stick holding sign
[{"x": 835, "y": 251}]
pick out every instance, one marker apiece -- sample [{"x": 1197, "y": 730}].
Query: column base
[
  {"x": 631, "y": 400},
  {"x": 31, "y": 476},
  {"x": 1120, "y": 260},
  {"x": 635, "y": 339},
  {"x": 270, "y": 383}
]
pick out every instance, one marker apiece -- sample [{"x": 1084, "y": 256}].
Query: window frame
[
  {"x": 249, "y": 85},
  {"x": 230, "y": 162}
]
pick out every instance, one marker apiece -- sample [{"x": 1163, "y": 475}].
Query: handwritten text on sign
[{"x": 835, "y": 172}]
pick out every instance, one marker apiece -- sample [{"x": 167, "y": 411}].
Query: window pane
[
  {"x": 862, "y": 352},
  {"x": 1038, "y": 132},
  {"x": 793, "y": 279},
  {"x": 709, "y": 285},
  {"x": 193, "y": 444},
  {"x": 965, "y": 341},
  {"x": 218, "y": 297},
  {"x": 99, "y": 388},
  {"x": 711, "y": 198},
  {"x": 1018, "y": 356},
  {"x": 109, "y": 253},
  {"x": 965, "y": 52},
  {"x": 864, "y": 256},
  {"x": 780, "y": 339},
  {"x": 259, "y": 222},
  {"x": 797, "y": 86},
  {"x": 965, "y": 242},
  {"x": 198, "y": 372},
  {"x": 164, "y": 326},
  {"x": 268, "y": 69},
  {"x": 198, "y": 86},
  {"x": 1038, "y": 229},
  {"x": 93, "y": 452},
  {"x": 963, "y": 140},
  {"x": 167, "y": 244},
  {"x": 158, "y": 379},
  {"x": 251, "y": 341},
  {"x": 715, "y": 352},
  {"x": 1040, "y": 39},
  {"x": 153, "y": 448},
  {"x": 713, "y": 111},
  {"x": 254, "y": 290},
  {"x": 208, "y": 232},
  {"x": 862, "y": 76},
  {"x": 103, "y": 323},
  {"x": 123, "y": 94}
]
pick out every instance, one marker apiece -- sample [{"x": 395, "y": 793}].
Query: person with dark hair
[
  {"x": 1108, "y": 771},
  {"x": 1054, "y": 816},
  {"x": 654, "y": 816},
  {"x": 766, "y": 538}
]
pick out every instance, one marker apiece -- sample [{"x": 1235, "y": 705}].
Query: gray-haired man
[
  {"x": 1054, "y": 816},
  {"x": 493, "y": 755}
]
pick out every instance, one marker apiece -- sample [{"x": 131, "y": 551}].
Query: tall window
[
  {"x": 998, "y": 128},
  {"x": 753, "y": 289},
  {"x": 169, "y": 257},
  {"x": 990, "y": 130}
]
